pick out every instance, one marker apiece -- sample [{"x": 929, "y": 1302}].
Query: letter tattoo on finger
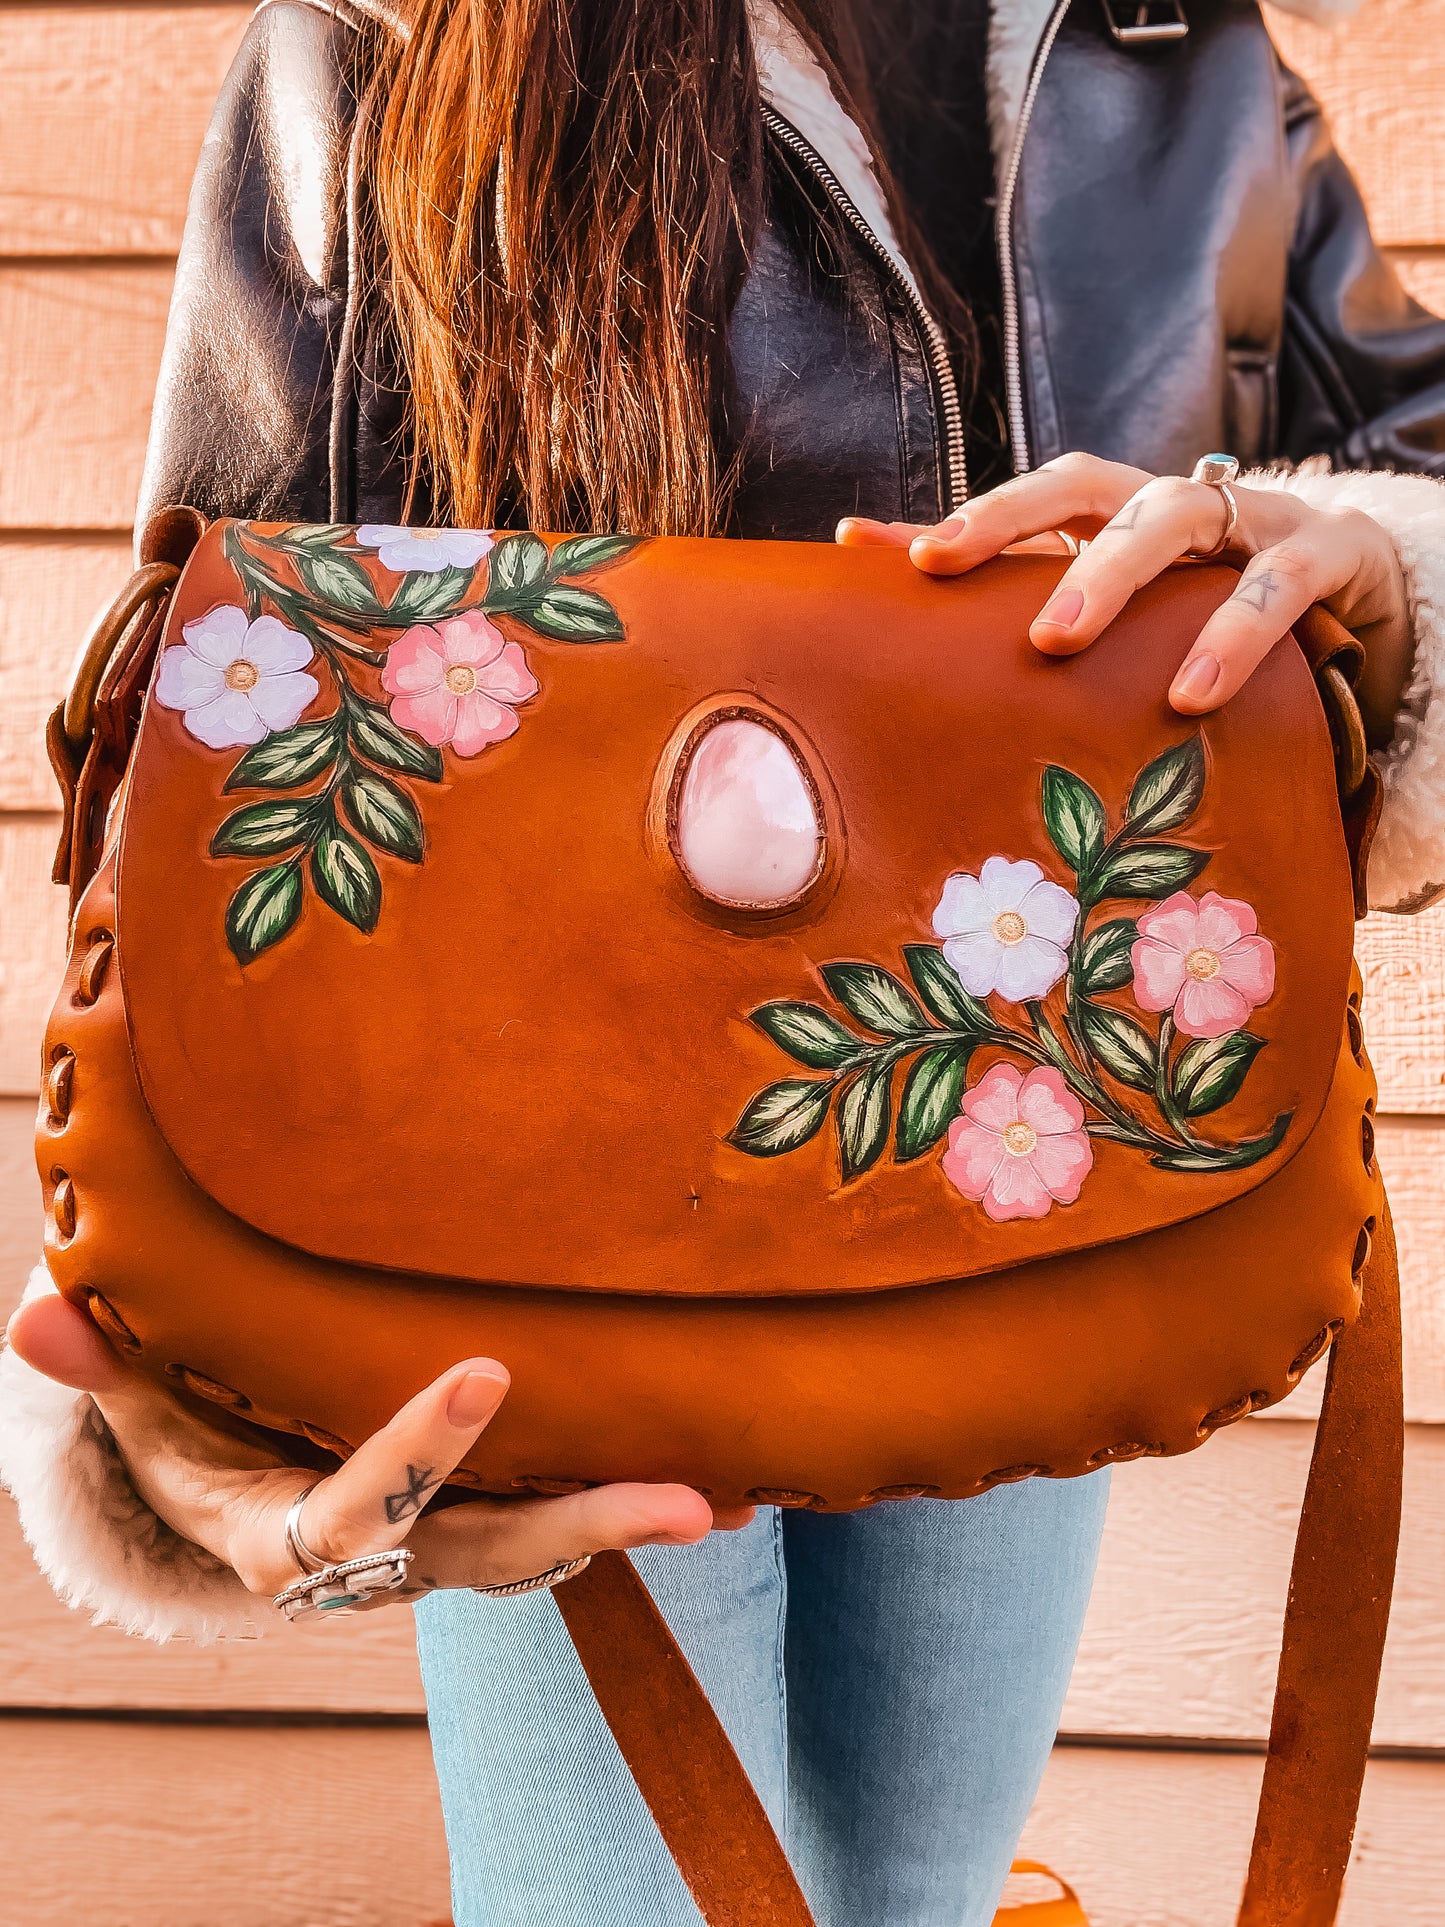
[
  {"x": 421, "y": 1481},
  {"x": 1255, "y": 591}
]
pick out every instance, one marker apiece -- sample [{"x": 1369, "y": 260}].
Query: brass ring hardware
[
  {"x": 143, "y": 588},
  {"x": 1347, "y": 728}
]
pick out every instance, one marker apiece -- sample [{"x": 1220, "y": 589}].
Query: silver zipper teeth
[
  {"x": 934, "y": 341},
  {"x": 1012, "y": 360}
]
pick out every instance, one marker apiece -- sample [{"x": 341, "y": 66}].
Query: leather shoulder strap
[
  {"x": 713, "y": 1822},
  {"x": 1334, "y": 1628},
  {"x": 1334, "y": 1638}
]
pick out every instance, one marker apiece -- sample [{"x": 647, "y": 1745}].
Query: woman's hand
[
  {"x": 232, "y": 1497},
  {"x": 1293, "y": 555}
]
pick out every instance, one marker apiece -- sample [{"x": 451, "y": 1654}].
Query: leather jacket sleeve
[
  {"x": 243, "y": 412},
  {"x": 1362, "y": 376}
]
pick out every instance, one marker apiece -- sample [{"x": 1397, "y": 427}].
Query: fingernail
[
  {"x": 1064, "y": 610},
  {"x": 1197, "y": 678},
  {"x": 473, "y": 1397}
]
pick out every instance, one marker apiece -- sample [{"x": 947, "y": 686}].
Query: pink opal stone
[{"x": 747, "y": 827}]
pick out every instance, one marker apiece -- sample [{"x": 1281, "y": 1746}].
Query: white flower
[
  {"x": 237, "y": 680},
  {"x": 428, "y": 551},
  {"x": 1006, "y": 929}
]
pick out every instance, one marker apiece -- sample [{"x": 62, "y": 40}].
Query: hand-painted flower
[
  {"x": 1006, "y": 929},
  {"x": 236, "y": 680},
  {"x": 1204, "y": 960},
  {"x": 427, "y": 551},
  {"x": 458, "y": 682},
  {"x": 1020, "y": 1146}
]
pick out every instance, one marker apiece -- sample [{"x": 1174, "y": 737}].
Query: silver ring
[
  {"x": 306, "y": 1560},
  {"x": 349, "y": 1586},
  {"x": 1072, "y": 545},
  {"x": 1217, "y": 472},
  {"x": 544, "y": 1581}
]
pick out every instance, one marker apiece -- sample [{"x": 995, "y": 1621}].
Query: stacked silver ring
[
  {"x": 1217, "y": 472},
  {"x": 340, "y": 1586}
]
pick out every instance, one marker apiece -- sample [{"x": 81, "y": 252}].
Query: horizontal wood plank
[
  {"x": 1162, "y": 1839},
  {"x": 1379, "y": 78},
  {"x": 171, "y": 1826},
  {"x": 1412, "y": 1158},
  {"x": 80, "y": 346},
  {"x": 49, "y": 591},
  {"x": 102, "y": 111},
  {"x": 1184, "y": 1626},
  {"x": 32, "y": 946},
  {"x": 1403, "y": 961}
]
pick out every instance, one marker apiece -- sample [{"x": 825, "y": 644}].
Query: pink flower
[
  {"x": 458, "y": 682},
  {"x": 1020, "y": 1146},
  {"x": 1203, "y": 960}
]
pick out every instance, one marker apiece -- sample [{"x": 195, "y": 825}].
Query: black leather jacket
[{"x": 1185, "y": 260}]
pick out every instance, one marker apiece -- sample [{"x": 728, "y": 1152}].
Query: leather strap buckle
[{"x": 1145, "y": 23}]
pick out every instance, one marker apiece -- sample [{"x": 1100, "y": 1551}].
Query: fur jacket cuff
[
  {"x": 1407, "y": 863},
  {"x": 97, "y": 1542}
]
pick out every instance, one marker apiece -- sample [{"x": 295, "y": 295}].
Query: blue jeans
[{"x": 892, "y": 1680}]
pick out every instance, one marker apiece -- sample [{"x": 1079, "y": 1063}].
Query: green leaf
[
  {"x": 573, "y": 615},
  {"x": 517, "y": 562},
  {"x": 324, "y": 535},
  {"x": 384, "y": 814},
  {"x": 346, "y": 878},
  {"x": 265, "y": 829},
  {"x": 808, "y": 1034},
  {"x": 581, "y": 553},
  {"x": 782, "y": 1117},
  {"x": 1149, "y": 870},
  {"x": 1167, "y": 791},
  {"x": 287, "y": 758},
  {"x": 1227, "y": 1157},
  {"x": 930, "y": 1099},
  {"x": 1105, "y": 963},
  {"x": 1074, "y": 818},
  {"x": 425, "y": 595},
  {"x": 876, "y": 999},
  {"x": 1209, "y": 1072},
  {"x": 376, "y": 736},
  {"x": 263, "y": 910},
  {"x": 1123, "y": 1047},
  {"x": 338, "y": 578},
  {"x": 941, "y": 991},
  {"x": 864, "y": 1111}
]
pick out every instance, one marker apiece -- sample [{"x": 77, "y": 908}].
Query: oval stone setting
[{"x": 748, "y": 832}]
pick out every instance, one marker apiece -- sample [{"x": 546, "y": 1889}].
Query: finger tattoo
[
  {"x": 1256, "y": 590},
  {"x": 421, "y": 1480},
  {"x": 1126, "y": 519}
]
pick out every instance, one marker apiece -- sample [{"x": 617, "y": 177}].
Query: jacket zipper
[
  {"x": 1012, "y": 354},
  {"x": 934, "y": 341}
]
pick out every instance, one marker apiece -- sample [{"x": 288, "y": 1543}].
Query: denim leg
[
  {"x": 929, "y": 1647},
  {"x": 544, "y": 1822}
]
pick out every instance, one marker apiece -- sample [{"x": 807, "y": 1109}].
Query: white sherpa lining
[
  {"x": 100, "y": 1546},
  {"x": 1407, "y": 863}
]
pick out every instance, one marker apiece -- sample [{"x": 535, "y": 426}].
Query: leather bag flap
[{"x": 714, "y": 917}]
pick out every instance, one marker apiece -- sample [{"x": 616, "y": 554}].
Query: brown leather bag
[{"x": 830, "y": 1052}]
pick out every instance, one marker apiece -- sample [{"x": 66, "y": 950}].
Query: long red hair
[{"x": 563, "y": 196}]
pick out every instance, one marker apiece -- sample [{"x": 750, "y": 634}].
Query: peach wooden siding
[{"x": 174, "y": 1787}]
